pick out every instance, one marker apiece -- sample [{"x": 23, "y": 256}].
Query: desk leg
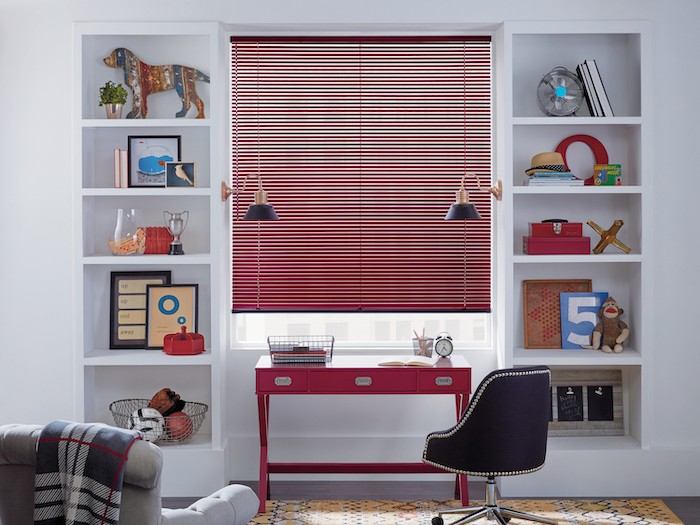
[
  {"x": 461, "y": 484},
  {"x": 263, "y": 423}
]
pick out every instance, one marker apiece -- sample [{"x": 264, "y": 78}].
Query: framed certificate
[
  {"x": 127, "y": 311},
  {"x": 168, "y": 309}
]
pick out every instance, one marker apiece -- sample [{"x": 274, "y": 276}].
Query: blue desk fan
[{"x": 560, "y": 93}]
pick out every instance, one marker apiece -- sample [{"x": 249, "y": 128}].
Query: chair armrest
[
  {"x": 231, "y": 505},
  {"x": 144, "y": 465}
]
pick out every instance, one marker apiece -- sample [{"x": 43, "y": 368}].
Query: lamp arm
[
  {"x": 260, "y": 195},
  {"x": 496, "y": 191}
]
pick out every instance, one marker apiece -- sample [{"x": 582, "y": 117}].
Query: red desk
[{"x": 355, "y": 375}]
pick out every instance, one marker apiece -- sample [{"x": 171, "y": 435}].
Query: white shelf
[
  {"x": 199, "y": 442},
  {"x": 150, "y": 260},
  {"x": 577, "y": 190},
  {"x": 566, "y": 259},
  {"x": 145, "y": 123},
  {"x": 592, "y": 444},
  {"x": 559, "y": 357},
  {"x": 104, "y": 357},
  {"x": 577, "y": 121},
  {"x": 146, "y": 192}
]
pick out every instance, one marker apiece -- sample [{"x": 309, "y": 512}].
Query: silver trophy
[{"x": 176, "y": 224}]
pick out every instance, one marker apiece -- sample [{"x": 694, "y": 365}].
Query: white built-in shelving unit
[
  {"x": 525, "y": 52},
  {"x": 104, "y": 375}
]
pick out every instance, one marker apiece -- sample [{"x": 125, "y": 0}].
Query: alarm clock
[{"x": 443, "y": 344}]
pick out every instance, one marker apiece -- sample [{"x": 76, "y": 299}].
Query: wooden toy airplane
[{"x": 609, "y": 237}]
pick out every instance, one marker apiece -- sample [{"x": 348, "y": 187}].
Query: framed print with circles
[{"x": 168, "y": 309}]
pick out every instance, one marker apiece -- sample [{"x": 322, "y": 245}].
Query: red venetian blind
[{"x": 361, "y": 144}]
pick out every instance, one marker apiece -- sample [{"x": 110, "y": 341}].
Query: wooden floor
[{"x": 686, "y": 508}]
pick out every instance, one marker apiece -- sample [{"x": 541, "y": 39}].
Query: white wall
[{"x": 35, "y": 187}]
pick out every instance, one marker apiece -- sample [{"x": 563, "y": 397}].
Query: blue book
[
  {"x": 579, "y": 315},
  {"x": 551, "y": 174}
]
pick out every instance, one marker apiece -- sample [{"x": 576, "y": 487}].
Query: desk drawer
[
  {"x": 445, "y": 380},
  {"x": 370, "y": 380},
  {"x": 282, "y": 381}
]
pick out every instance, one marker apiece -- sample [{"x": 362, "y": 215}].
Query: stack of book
[
  {"x": 158, "y": 240},
  {"x": 299, "y": 354},
  {"x": 594, "y": 90},
  {"x": 553, "y": 178}
]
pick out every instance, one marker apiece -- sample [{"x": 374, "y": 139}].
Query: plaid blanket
[{"x": 79, "y": 473}]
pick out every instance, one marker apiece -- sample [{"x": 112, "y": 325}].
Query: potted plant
[{"x": 113, "y": 98}]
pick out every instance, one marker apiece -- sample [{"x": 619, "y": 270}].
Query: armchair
[{"x": 141, "y": 499}]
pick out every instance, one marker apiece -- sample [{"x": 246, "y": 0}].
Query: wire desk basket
[
  {"x": 174, "y": 429},
  {"x": 301, "y": 349}
]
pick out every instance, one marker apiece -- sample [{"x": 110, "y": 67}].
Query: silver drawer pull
[
  {"x": 443, "y": 381},
  {"x": 363, "y": 381},
  {"x": 283, "y": 381}
]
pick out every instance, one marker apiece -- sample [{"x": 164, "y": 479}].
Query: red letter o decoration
[{"x": 599, "y": 152}]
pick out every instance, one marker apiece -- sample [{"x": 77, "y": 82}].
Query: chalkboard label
[
  {"x": 600, "y": 403},
  {"x": 570, "y": 403}
]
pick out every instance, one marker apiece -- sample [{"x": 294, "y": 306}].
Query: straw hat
[{"x": 547, "y": 161}]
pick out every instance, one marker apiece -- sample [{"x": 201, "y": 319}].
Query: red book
[
  {"x": 161, "y": 240},
  {"x": 167, "y": 239},
  {"x": 556, "y": 229},
  {"x": 150, "y": 240},
  {"x": 556, "y": 245}
]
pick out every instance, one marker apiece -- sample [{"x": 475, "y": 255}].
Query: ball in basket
[
  {"x": 149, "y": 421},
  {"x": 178, "y": 426}
]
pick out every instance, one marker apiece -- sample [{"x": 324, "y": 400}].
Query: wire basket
[
  {"x": 174, "y": 429},
  {"x": 301, "y": 349}
]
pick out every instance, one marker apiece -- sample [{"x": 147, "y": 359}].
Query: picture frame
[
  {"x": 169, "y": 308},
  {"x": 127, "y": 307},
  {"x": 579, "y": 316},
  {"x": 148, "y": 155},
  {"x": 180, "y": 175},
  {"x": 541, "y": 309},
  {"x": 602, "y": 399}
]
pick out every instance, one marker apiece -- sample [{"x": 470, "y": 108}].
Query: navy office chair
[{"x": 503, "y": 432}]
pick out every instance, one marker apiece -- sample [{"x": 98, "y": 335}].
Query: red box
[
  {"x": 556, "y": 245},
  {"x": 556, "y": 229}
]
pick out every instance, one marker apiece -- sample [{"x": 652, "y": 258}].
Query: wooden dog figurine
[{"x": 144, "y": 79}]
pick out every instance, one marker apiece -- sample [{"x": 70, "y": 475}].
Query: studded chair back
[{"x": 503, "y": 432}]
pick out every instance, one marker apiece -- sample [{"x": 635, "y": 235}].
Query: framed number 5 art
[{"x": 578, "y": 317}]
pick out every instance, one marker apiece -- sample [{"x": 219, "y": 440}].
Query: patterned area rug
[{"x": 390, "y": 512}]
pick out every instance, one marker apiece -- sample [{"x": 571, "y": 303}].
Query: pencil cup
[{"x": 423, "y": 346}]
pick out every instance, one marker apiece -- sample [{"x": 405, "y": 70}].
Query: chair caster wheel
[{"x": 437, "y": 520}]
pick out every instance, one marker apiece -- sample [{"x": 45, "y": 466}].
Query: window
[{"x": 361, "y": 144}]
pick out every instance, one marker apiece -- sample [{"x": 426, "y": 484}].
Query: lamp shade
[
  {"x": 459, "y": 211},
  {"x": 261, "y": 212}
]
